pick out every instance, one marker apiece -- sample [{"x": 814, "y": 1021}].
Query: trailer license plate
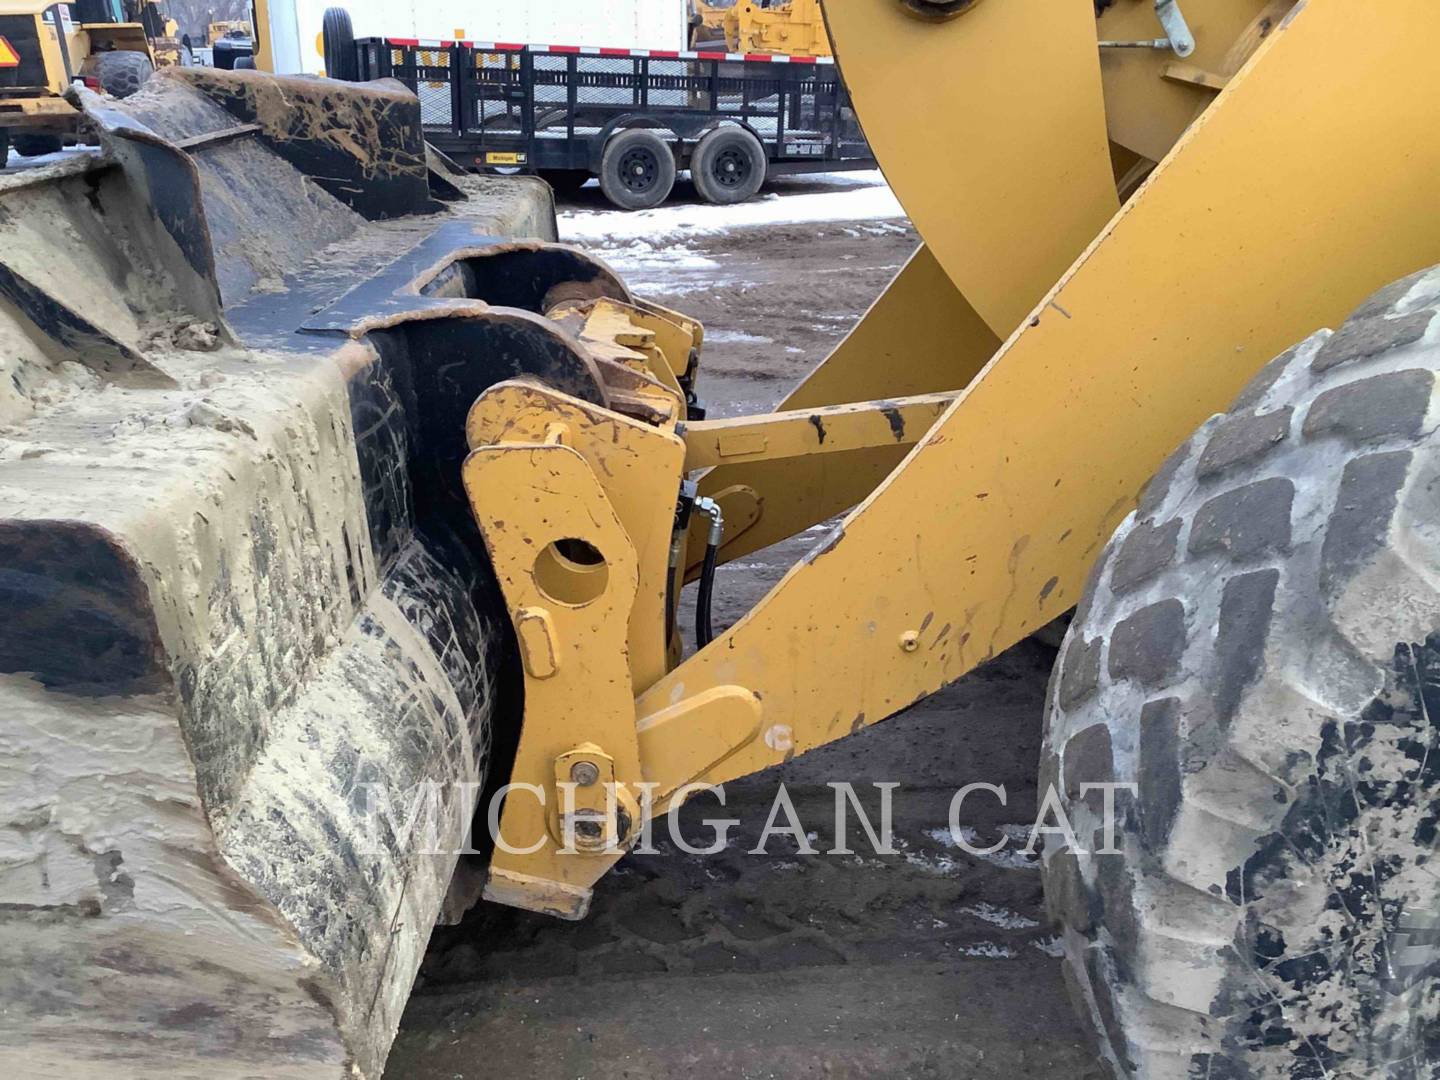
[{"x": 504, "y": 157}]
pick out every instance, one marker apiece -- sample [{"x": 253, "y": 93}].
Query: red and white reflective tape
[{"x": 591, "y": 50}]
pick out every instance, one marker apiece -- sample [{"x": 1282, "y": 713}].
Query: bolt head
[
  {"x": 584, "y": 773},
  {"x": 910, "y": 641}
]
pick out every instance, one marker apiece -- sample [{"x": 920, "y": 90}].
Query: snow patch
[
  {"x": 1050, "y": 946},
  {"x": 735, "y": 337},
  {"x": 998, "y": 916},
  {"x": 860, "y": 196},
  {"x": 642, "y": 255},
  {"x": 1010, "y": 857},
  {"x": 987, "y": 949}
]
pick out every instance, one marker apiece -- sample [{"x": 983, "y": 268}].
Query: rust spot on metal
[{"x": 819, "y": 426}]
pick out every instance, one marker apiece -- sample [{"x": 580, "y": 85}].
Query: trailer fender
[
  {"x": 682, "y": 157},
  {"x": 595, "y": 150}
]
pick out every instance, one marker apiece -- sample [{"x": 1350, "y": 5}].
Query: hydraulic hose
[{"x": 704, "y": 624}]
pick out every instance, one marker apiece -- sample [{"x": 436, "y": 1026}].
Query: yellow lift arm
[{"x": 1303, "y": 185}]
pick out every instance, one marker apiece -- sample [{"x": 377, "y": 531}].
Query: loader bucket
[{"x": 244, "y": 600}]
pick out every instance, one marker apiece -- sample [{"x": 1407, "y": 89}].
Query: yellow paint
[
  {"x": 1274, "y": 216},
  {"x": 824, "y": 430},
  {"x": 1301, "y": 189},
  {"x": 589, "y": 693},
  {"x": 1147, "y": 107},
  {"x": 990, "y": 128},
  {"x": 638, "y": 467},
  {"x": 921, "y": 336},
  {"x": 82, "y": 41},
  {"x": 650, "y": 338},
  {"x": 794, "y": 28}
]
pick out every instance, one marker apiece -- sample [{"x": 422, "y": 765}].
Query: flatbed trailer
[{"x": 631, "y": 117}]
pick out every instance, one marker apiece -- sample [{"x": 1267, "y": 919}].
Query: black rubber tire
[
  {"x": 4, "y": 147},
  {"x": 244, "y": 63},
  {"x": 637, "y": 170},
  {"x": 337, "y": 39},
  {"x": 33, "y": 145},
  {"x": 1258, "y": 650},
  {"x": 728, "y": 165},
  {"x": 122, "y": 72},
  {"x": 565, "y": 181}
]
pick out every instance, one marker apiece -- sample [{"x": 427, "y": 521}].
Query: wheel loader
[
  {"x": 46, "y": 47},
  {"x": 330, "y": 477},
  {"x": 793, "y": 28}
]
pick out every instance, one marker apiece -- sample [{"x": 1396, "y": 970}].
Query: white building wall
[{"x": 631, "y": 24}]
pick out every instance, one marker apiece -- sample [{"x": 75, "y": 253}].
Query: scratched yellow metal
[
  {"x": 991, "y": 129},
  {"x": 1146, "y": 111},
  {"x": 629, "y": 334},
  {"x": 823, "y": 430},
  {"x": 637, "y": 465},
  {"x": 577, "y": 679},
  {"x": 921, "y": 336},
  {"x": 1307, "y": 185}
]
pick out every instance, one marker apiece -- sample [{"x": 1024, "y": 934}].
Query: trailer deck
[{"x": 552, "y": 109}]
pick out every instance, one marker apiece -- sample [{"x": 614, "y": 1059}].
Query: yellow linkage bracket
[{"x": 577, "y": 505}]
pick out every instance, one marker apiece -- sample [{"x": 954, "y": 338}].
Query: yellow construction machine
[
  {"x": 792, "y": 27},
  {"x": 1166, "y": 360},
  {"x": 231, "y": 28},
  {"x": 44, "y": 48}
]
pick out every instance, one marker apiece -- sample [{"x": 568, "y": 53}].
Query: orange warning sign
[{"x": 8, "y": 56}]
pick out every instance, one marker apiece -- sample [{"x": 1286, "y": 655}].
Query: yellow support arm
[
  {"x": 830, "y": 429},
  {"x": 1275, "y": 214}
]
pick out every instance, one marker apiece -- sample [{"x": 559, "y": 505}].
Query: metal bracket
[
  {"x": 576, "y": 504},
  {"x": 1178, "y": 37}
]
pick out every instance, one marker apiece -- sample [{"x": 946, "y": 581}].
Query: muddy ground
[{"x": 928, "y": 962}]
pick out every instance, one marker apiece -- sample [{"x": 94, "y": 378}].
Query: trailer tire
[
  {"x": 565, "y": 181},
  {"x": 637, "y": 169},
  {"x": 728, "y": 165},
  {"x": 337, "y": 40},
  {"x": 122, "y": 72},
  {"x": 1258, "y": 652},
  {"x": 34, "y": 145}
]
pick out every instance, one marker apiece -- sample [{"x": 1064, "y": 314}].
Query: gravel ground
[{"x": 927, "y": 962}]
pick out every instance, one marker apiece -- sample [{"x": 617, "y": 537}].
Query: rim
[
  {"x": 639, "y": 169},
  {"x": 731, "y": 167}
]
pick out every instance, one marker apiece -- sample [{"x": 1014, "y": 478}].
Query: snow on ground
[
  {"x": 641, "y": 244},
  {"x": 856, "y": 196}
]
